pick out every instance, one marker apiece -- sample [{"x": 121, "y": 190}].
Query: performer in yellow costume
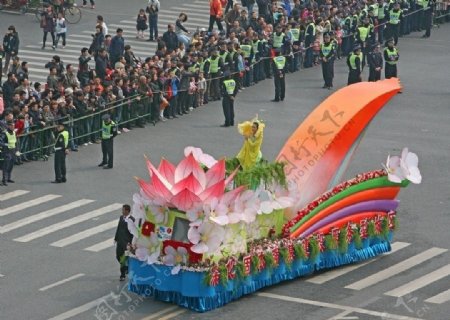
[{"x": 253, "y": 132}]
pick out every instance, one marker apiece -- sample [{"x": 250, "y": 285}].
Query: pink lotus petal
[
  {"x": 231, "y": 196},
  {"x": 185, "y": 167},
  {"x": 167, "y": 170},
  {"x": 207, "y": 160},
  {"x": 196, "y": 152},
  {"x": 190, "y": 183},
  {"x": 213, "y": 191},
  {"x": 147, "y": 188},
  {"x": 185, "y": 200},
  {"x": 160, "y": 188},
  {"x": 153, "y": 172},
  {"x": 216, "y": 173}
]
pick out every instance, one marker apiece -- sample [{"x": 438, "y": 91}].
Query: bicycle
[
  {"x": 70, "y": 10},
  {"x": 19, "y": 5}
]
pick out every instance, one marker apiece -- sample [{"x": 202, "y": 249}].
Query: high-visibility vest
[
  {"x": 420, "y": 3},
  {"x": 107, "y": 130},
  {"x": 313, "y": 29},
  {"x": 246, "y": 50},
  {"x": 65, "y": 136},
  {"x": 394, "y": 17},
  {"x": 230, "y": 86},
  {"x": 381, "y": 13},
  {"x": 12, "y": 139},
  {"x": 393, "y": 53},
  {"x": 194, "y": 68},
  {"x": 350, "y": 21},
  {"x": 232, "y": 53},
  {"x": 223, "y": 56},
  {"x": 202, "y": 66},
  {"x": 363, "y": 32},
  {"x": 295, "y": 34},
  {"x": 425, "y": 3},
  {"x": 375, "y": 7},
  {"x": 279, "y": 61},
  {"x": 255, "y": 45},
  {"x": 326, "y": 49},
  {"x": 278, "y": 40},
  {"x": 352, "y": 60},
  {"x": 214, "y": 65}
]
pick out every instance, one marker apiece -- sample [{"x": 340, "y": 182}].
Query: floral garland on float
[{"x": 205, "y": 240}]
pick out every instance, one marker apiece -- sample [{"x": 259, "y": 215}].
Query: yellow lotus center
[
  {"x": 204, "y": 238},
  {"x": 178, "y": 258},
  {"x": 213, "y": 214}
]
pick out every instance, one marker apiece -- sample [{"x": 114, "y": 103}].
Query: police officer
[
  {"x": 428, "y": 8},
  {"x": 109, "y": 131},
  {"x": 375, "y": 61},
  {"x": 229, "y": 91},
  {"x": 355, "y": 65},
  {"x": 394, "y": 17},
  {"x": 279, "y": 62},
  {"x": 327, "y": 54},
  {"x": 8, "y": 142},
  {"x": 61, "y": 150},
  {"x": 310, "y": 37},
  {"x": 391, "y": 58}
]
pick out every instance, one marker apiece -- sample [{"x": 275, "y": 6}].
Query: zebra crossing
[
  {"x": 85, "y": 215},
  {"x": 198, "y": 15},
  {"x": 39, "y": 224}
]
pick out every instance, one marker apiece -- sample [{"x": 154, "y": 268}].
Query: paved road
[{"x": 55, "y": 265}]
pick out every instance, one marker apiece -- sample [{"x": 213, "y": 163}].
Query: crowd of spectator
[{"x": 186, "y": 70}]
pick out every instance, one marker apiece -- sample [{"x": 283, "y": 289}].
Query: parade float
[{"x": 207, "y": 231}]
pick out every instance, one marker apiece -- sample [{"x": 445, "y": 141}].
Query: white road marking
[
  {"x": 1, "y": 275},
  {"x": 83, "y": 308},
  {"x": 420, "y": 282},
  {"x": 440, "y": 298},
  {"x": 69, "y": 222},
  {"x": 101, "y": 246},
  {"x": 84, "y": 234},
  {"x": 28, "y": 204},
  {"x": 333, "y": 274},
  {"x": 173, "y": 314},
  {"x": 79, "y": 275},
  {"x": 159, "y": 313},
  {"x": 43, "y": 215},
  {"x": 12, "y": 194},
  {"x": 396, "y": 269},
  {"x": 335, "y": 306}
]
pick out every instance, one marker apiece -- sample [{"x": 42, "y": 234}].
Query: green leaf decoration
[
  {"x": 207, "y": 278},
  {"x": 396, "y": 223},
  {"x": 223, "y": 275},
  {"x": 330, "y": 242},
  {"x": 371, "y": 230},
  {"x": 270, "y": 261},
  {"x": 342, "y": 241},
  {"x": 299, "y": 251},
  {"x": 385, "y": 228},
  {"x": 314, "y": 249},
  {"x": 255, "y": 264},
  {"x": 240, "y": 271},
  {"x": 357, "y": 239},
  {"x": 284, "y": 254}
]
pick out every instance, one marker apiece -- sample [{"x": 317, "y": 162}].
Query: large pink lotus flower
[{"x": 187, "y": 185}]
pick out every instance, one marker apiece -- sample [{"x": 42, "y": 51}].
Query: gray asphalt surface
[{"x": 418, "y": 118}]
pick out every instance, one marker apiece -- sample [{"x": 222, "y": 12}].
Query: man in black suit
[{"x": 122, "y": 239}]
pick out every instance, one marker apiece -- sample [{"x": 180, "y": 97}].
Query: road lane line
[
  {"x": 335, "y": 306},
  {"x": 69, "y": 222},
  {"x": 79, "y": 275},
  {"x": 84, "y": 234},
  {"x": 420, "y": 282},
  {"x": 333, "y": 274},
  {"x": 159, "y": 313},
  {"x": 28, "y": 204},
  {"x": 12, "y": 194},
  {"x": 100, "y": 246},
  {"x": 440, "y": 298},
  {"x": 83, "y": 308},
  {"x": 43, "y": 215},
  {"x": 396, "y": 269},
  {"x": 1, "y": 275},
  {"x": 173, "y": 314}
]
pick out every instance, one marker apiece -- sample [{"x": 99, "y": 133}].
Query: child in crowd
[
  {"x": 192, "y": 92},
  {"x": 201, "y": 89},
  {"x": 141, "y": 24}
]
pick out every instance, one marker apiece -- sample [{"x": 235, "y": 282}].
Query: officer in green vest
[
  {"x": 8, "y": 142},
  {"x": 215, "y": 66},
  {"x": 109, "y": 131},
  {"x": 394, "y": 18},
  {"x": 279, "y": 63},
  {"x": 310, "y": 37},
  {"x": 61, "y": 150},
  {"x": 391, "y": 58},
  {"x": 363, "y": 34},
  {"x": 428, "y": 9},
  {"x": 229, "y": 91},
  {"x": 295, "y": 31},
  {"x": 327, "y": 54},
  {"x": 257, "y": 50},
  {"x": 382, "y": 7},
  {"x": 247, "y": 54},
  {"x": 355, "y": 65}
]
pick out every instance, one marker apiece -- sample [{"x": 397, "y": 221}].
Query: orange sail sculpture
[{"x": 318, "y": 152}]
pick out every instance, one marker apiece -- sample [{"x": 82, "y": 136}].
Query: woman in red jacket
[{"x": 215, "y": 14}]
